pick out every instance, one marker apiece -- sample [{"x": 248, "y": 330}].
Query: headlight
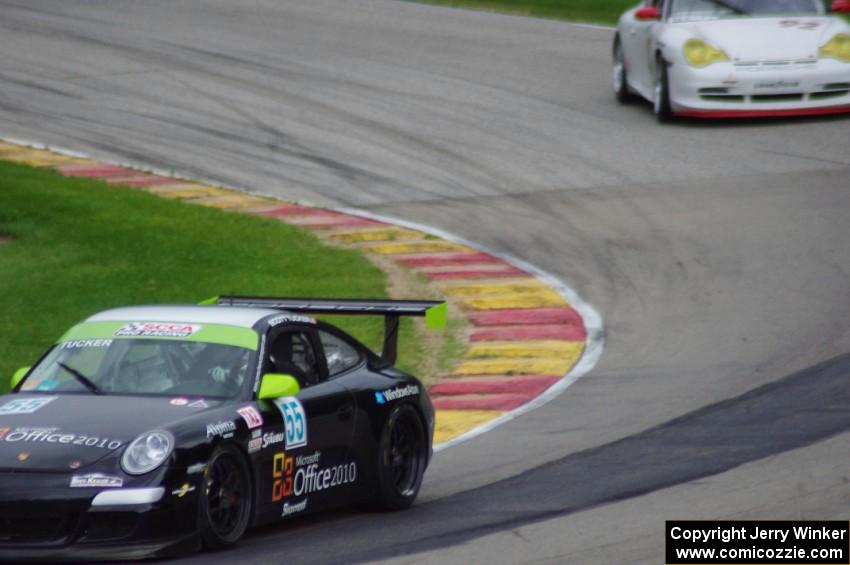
[
  {"x": 700, "y": 54},
  {"x": 837, "y": 48},
  {"x": 147, "y": 452}
]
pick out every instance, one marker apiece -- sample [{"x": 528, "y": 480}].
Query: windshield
[
  {"x": 710, "y": 9},
  {"x": 163, "y": 367}
]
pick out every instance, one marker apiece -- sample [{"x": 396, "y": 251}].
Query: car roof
[{"x": 212, "y": 314}]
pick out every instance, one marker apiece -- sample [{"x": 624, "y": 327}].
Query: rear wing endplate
[{"x": 435, "y": 312}]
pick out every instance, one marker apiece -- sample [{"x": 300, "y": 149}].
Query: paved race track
[{"x": 716, "y": 253}]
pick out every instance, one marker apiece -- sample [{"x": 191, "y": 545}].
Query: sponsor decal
[
  {"x": 802, "y": 24},
  {"x": 55, "y": 435},
  {"x": 255, "y": 444},
  {"x": 199, "y": 404},
  {"x": 766, "y": 68},
  {"x": 294, "y": 421},
  {"x": 224, "y": 429},
  {"x": 78, "y": 343},
  {"x": 96, "y": 480},
  {"x": 302, "y": 460},
  {"x": 3, "y": 432},
  {"x": 157, "y": 329},
  {"x": 47, "y": 384},
  {"x": 290, "y": 319},
  {"x": 184, "y": 489},
  {"x": 313, "y": 478},
  {"x": 179, "y": 401},
  {"x": 396, "y": 393},
  {"x": 294, "y": 508},
  {"x": 282, "y": 467},
  {"x": 778, "y": 84},
  {"x": 251, "y": 416},
  {"x": 75, "y": 464},
  {"x": 23, "y": 456},
  {"x": 196, "y": 468},
  {"x": 303, "y": 475},
  {"x": 25, "y": 405},
  {"x": 272, "y": 438}
]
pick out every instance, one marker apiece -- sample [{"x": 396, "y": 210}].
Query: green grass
[
  {"x": 79, "y": 246},
  {"x": 591, "y": 11}
]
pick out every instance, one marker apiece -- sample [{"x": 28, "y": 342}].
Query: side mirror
[
  {"x": 841, "y": 6},
  {"x": 647, "y": 13},
  {"x": 274, "y": 386},
  {"x": 19, "y": 376}
]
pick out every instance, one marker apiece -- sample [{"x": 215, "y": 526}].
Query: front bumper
[
  {"x": 41, "y": 517},
  {"x": 760, "y": 89}
]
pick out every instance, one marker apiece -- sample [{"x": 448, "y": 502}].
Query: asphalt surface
[{"x": 715, "y": 252}]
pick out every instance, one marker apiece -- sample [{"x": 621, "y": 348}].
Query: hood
[
  {"x": 765, "y": 39},
  {"x": 41, "y": 432}
]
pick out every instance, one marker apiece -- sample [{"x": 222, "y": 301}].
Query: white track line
[
  {"x": 593, "y": 26},
  {"x": 592, "y": 322}
]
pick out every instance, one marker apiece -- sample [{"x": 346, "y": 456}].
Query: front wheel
[
  {"x": 661, "y": 104},
  {"x": 226, "y": 500},
  {"x": 403, "y": 455}
]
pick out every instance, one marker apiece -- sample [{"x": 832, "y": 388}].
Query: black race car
[{"x": 155, "y": 430}]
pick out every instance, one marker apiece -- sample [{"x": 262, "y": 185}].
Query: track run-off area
[{"x": 715, "y": 252}]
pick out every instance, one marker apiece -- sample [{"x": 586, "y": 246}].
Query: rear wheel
[
  {"x": 403, "y": 455},
  {"x": 226, "y": 500},
  {"x": 620, "y": 78},
  {"x": 661, "y": 103}
]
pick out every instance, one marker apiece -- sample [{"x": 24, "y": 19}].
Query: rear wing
[{"x": 434, "y": 312}]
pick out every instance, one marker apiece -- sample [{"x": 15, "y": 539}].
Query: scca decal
[{"x": 157, "y": 329}]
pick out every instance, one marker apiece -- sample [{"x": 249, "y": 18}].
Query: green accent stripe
[
  {"x": 437, "y": 316},
  {"x": 209, "y": 333}
]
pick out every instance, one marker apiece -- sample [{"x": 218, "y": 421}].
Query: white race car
[{"x": 734, "y": 58}]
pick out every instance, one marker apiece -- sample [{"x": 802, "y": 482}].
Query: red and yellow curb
[{"x": 525, "y": 336}]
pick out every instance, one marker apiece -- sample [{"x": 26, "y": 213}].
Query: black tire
[
  {"x": 661, "y": 105},
  {"x": 620, "y": 80},
  {"x": 226, "y": 501},
  {"x": 402, "y": 456}
]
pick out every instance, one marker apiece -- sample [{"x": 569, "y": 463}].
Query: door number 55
[{"x": 294, "y": 421}]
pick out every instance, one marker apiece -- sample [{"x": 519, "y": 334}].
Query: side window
[
  {"x": 340, "y": 356},
  {"x": 292, "y": 353}
]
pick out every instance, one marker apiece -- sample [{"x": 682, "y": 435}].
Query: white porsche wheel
[
  {"x": 619, "y": 78},
  {"x": 661, "y": 98}
]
